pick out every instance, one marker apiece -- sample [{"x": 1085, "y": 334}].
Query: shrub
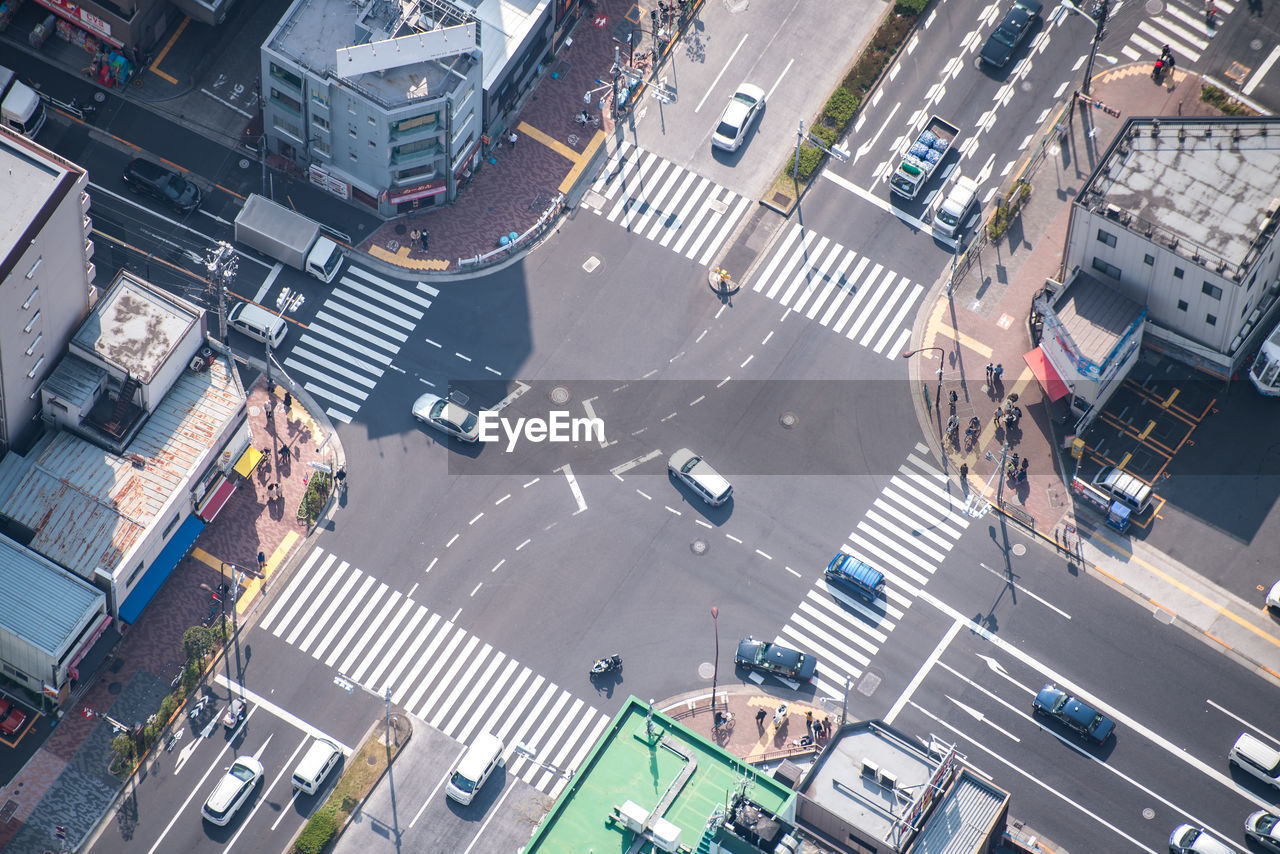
[
  {"x": 910, "y": 7},
  {"x": 841, "y": 107},
  {"x": 314, "y": 498},
  {"x": 1216, "y": 97},
  {"x": 810, "y": 158},
  {"x": 320, "y": 829},
  {"x": 197, "y": 642}
]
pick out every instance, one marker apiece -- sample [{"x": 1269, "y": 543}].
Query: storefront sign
[
  {"x": 321, "y": 178},
  {"x": 435, "y": 188},
  {"x": 77, "y": 15}
]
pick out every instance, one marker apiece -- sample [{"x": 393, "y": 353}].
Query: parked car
[
  {"x": 1187, "y": 839},
  {"x": 164, "y": 185},
  {"x": 776, "y": 659},
  {"x": 447, "y": 416},
  {"x": 1257, "y": 758},
  {"x": 1061, "y": 706},
  {"x": 1013, "y": 29},
  {"x": 710, "y": 486},
  {"x": 1273, "y": 598},
  {"x": 232, "y": 790},
  {"x": 1263, "y": 828},
  {"x": 742, "y": 110},
  {"x": 11, "y": 718}
]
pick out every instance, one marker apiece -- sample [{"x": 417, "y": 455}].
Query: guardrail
[{"x": 530, "y": 235}]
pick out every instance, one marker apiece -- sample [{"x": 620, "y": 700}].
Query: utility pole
[
  {"x": 221, "y": 262},
  {"x": 1100, "y": 18}
]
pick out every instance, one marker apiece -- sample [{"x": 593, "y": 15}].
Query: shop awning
[
  {"x": 248, "y": 461},
  {"x": 1046, "y": 373},
  {"x": 211, "y": 508},
  {"x": 160, "y": 569},
  {"x": 72, "y": 667}
]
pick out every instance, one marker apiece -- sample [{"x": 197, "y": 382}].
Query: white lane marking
[
  {"x": 432, "y": 343},
  {"x": 591, "y": 413},
  {"x": 1038, "y": 781},
  {"x": 923, "y": 671},
  {"x": 462, "y": 357},
  {"x": 409, "y": 595},
  {"x": 793, "y": 572},
  {"x": 260, "y": 702},
  {"x": 763, "y": 555},
  {"x": 723, "y": 69},
  {"x": 671, "y": 509},
  {"x": 502, "y": 499},
  {"x": 875, "y": 200},
  {"x": 452, "y": 540},
  {"x": 748, "y": 361},
  {"x": 493, "y": 371},
  {"x": 644, "y": 495},
  {"x": 267, "y": 283},
  {"x": 769, "y": 95},
  {"x": 1261, "y": 733},
  {"x": 1119, "y": 717},
  {"x": 476, "y": 589},
  {"x": 522, "y": 545},
  {"x": 704, "y": 523},
  {"x": 735, "y": 539},
  {"x": 574, "y": 488},
  {"x": 293, "y": 797},
  {"x": 697, "y": 400},
  {"x": 1262, "y": 70},
  {"x": 530, "y": 483},
  {"x": 430, "y": 565},
  {"x": 476, "y": 518},
  {"x": 982, "y": 719},
  {"x": 498, "y": 565},
  {"x": 1026, "y": 592},
  {"x": 630, "y": 464}
]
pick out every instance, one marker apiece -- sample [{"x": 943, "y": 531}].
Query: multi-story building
[
  {"x": 385, "y": 102},
  {"x": 136, "y": 26},
  {"x": 1181, "y": 217},
  {"x": 46, "y": 275}
]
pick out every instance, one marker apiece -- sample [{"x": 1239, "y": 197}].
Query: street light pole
[
  {"x": 1100, "y": 17},
  {"x": 715, "y": 666},
  {"x": 942, "y": 355}
]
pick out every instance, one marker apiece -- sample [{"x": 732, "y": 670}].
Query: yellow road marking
[
  {"x": 583, "y": 160},
  {"x": 1142, "y": 437},
  {"x": 1171, "y": 399},
  {"x": 164, "y": 52},
  {"x": 273, "y": 562},
  {"x": 1124, "y": 461},
  {"x": 550, "y": 142}
]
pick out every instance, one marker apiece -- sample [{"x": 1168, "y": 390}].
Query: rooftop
[
  {"x": 42, "y": 604},
  {"x": 32, "y": 182},
  {"x": 312, "y": 31},
  {"x": 1096, "y": 316},
  {"x": 1207, "y": 188},
  {"x": 135, "y": 327},
  {"x": 84, "y": 507},
  {"x": 675, "y": 775}
]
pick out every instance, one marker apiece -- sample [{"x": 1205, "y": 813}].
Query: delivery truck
[
  {"x": 288, "y": 236},
  {"x": 922, "y": 157},
  {"x": 21, "y": 109}
]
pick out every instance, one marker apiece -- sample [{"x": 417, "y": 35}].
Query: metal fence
[{"x": 545, "y": 221}]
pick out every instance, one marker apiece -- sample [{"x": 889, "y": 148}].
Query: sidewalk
[
  {"x": 67, "y": 781},
  {"x": 987, "y": 320},
  {"x": 516, "y": 184}
]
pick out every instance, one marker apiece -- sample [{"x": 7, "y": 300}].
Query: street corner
[{"x": 402, "y": 256}]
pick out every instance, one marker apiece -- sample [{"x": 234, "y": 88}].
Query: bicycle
[{"x": 583, "y": 119}]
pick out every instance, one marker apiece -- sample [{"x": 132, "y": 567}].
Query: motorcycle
[{"x": 606, "y": 665}]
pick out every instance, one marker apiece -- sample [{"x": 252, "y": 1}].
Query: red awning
[
  {"x": 73, "y": 667},
  {"x": 220, "y": 496},
  {"x": 1046, "y": 374}
]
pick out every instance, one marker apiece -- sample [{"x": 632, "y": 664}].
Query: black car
[
  {"x": 1015, "y": 27},
  {"x": 169, "y": 187},
  {"x": 776, "y": 659}
]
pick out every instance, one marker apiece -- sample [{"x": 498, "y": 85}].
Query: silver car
[
  {"x": 1187, "y": 839},
  {"x": 1264, "y": 828},
  {"x": 447, "y": 417},
  {"x": 743, "y": 108},
  {"x": 709, "y": 484}
]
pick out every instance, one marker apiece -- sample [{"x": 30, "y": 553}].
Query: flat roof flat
[
  {"x": 1096, "y": 315},
  {"x": 627, "y": 765},
  {"x": 30, "y": 179},
  {"x": 135, "y": 327},
  {"x": 1209, "y": 182}
]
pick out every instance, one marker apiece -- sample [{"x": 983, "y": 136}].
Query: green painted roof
[{"x": 628, "y": 765}]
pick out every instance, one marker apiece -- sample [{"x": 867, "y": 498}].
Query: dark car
[
  {"x": 161, "y": 184},
  {"x": 1061, "y": 706},
  {"x": 1015, "y": 27},
  {"x": 776, "y": 659}
]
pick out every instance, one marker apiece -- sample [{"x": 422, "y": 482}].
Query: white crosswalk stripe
[
  {"x": 354, "y": 336},
  {"x": 812, "y": 274},
  {"x": 906, "y": 534},
  {"x": 436, "y": 669},
  {"x": 660, "y": 201},
  {"x": 1181, "y": 25}
]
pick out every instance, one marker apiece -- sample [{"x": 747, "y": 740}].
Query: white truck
[
  {"x": 288, "y": 236},
  {"x": 21, "y": 109},
  {"x": 954, "y": 209},
  {"x": 922, "y": 157}
]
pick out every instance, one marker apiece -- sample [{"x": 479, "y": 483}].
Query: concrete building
[
  {"x": 46, "y": 275},
  {"x": 136, "y": 26},
  {"x": 386, "y": 103},
  {"x": 1180, "y": 217},
  {"x": 147, "y": 426}
]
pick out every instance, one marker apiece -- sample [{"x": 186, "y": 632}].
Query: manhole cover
[
  {"x": 244, "y": 163},
  {"x": 255, "y": 411},
  {"x": 698, "y": 547},
  {"x": 869, "y": 682},
  {"x": 590, "y": 265},
  {"x": 1254, "y": 44},
  {"x": 789, "y": 420},
  {"x": 1148, "y": 813},
  {"x": 115, "y": 688},
  {"x": 1019, "y": 549},
  {"x": 99, "y": 96},
  {"x": 706, "y": 670},
  {"x": 1153, "y": 7},
  {"x": 559, "y": 395}
]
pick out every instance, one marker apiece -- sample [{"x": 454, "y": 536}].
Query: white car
[
  {"x": 1273, "y": 598},
  {"x": 1264, "y": 828},
  {"x": 1187, "y": 839},
  {"x": 708, "y": 483},
  {"x": 447, "y": 416},
  {"x": 232, "y": 790},
  {"x": 743, "y": 108}
]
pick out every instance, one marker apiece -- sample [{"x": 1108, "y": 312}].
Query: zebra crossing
[
  {"x": 376, "y": 637},
  {"x": 356, "y": 333},
  {"x": 1181, "y": 25},
  {"x": 851, "y": 295},
  {"x": 906, "y": 534},
  {"x": 653, "y": 197}
]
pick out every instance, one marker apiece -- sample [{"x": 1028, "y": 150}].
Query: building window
[
  {"x": 320, "y": 99},
  {"x": 319, "y": 146},
  {"x": 351, "y": 129},
  {"x": 1211, "y": 290},
  {"x": 320, "y": 123},
  {"x": 281, "y": 100},
  {"x": 1108, "y": 269},
  {"x": 285, "y": 126},
  {"x": 1149, "y": 260},
  {"x": 372, "y": 121},
  {"x": 1177, "y": 272},
  {"x": 373, "y": 144},
  {"x": 406, "y": 125},
  {"x": 1211, "y": 319},
  {"x": 1104, "y": 237},
  {"x": 1182, "y": 305},
  {"x": 133, "y": 576},
  {"x": 1253, "y": 279},
  {"x": 286, "y": 76},
  {"x": 168, "y": 529},
  {"x": 353, "y": 155}
]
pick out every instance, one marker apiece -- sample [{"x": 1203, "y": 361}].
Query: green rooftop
[{"x": 679, "y": 773}]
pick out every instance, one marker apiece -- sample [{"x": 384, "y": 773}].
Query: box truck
[{"x": 288, "y": 236}]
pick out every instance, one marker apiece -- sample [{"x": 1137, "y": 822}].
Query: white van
[
  {"x": 315, "y": 766},
  {"x": 954, "y": 209},
  {"x": 258, "y": 323},
  {"x": 1124, "y": 487},
  {"x": 1255, "y": 756},
  {"x": 477, "y": 763}
]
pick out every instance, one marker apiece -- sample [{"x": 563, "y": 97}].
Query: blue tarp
[{"x": 160, "y": 569}]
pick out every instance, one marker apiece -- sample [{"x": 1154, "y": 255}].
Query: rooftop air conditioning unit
[
  {"x": 870, "y": 769},
  {"x": 665, "y": 835},
  {"x": 633, "y": 816},
  {"x": 889, "y": 780}
]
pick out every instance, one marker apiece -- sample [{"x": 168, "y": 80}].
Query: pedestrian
[
  {"x": 953, "y": 397},
  {"x": 998, "y": 373},
  {"x": 262, "y": 562},
  {"x": 512, "y": 139},
  {"x": 426, "y": 239},
  {"x": 964, "y": 473},
  {"x": 760, "y": 716},
  {"x": 1025, "y": 462},
  {"x": 990, "y": 370},
  {"x": 288, "y": 402},
  {"x": 271, "y": 409},
  {"x": 284, "y": 453}
]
